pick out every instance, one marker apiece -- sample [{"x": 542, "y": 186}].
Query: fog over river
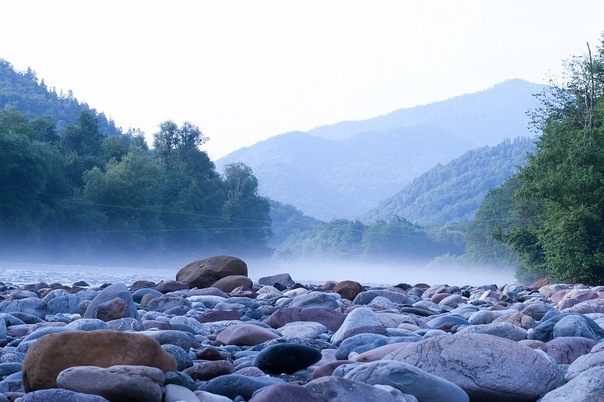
[{"x": 311, "y": 273}]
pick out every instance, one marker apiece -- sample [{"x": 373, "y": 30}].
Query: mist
[{"x": 103, "y": 266}]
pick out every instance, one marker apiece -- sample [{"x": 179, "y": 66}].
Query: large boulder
[
  {"x": 487, "y": 367},
  {"x": 53, "y": 353},
  {"x": 203, "y": 273}
]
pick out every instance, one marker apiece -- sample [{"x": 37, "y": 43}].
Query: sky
[{"x": 244, "y": 71}]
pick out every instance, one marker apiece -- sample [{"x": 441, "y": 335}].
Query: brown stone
[
  {"x": 539, "y": 283},
  {"x": 112, "y": 310},
  {"x": 245, "y": 334},
  {"x": 348, "y": 289},
  {"x": 53, "y": 353},
  {"x": 232, "y": 282},
  {"x": 203, "y": 273},
  {"x": 205, "y": 371}
]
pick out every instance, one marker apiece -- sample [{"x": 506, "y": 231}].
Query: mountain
[
  {"x": 29, "y": 95},
  {"x": 456, "y": 190},
  {"x": 345, "y": 169}
]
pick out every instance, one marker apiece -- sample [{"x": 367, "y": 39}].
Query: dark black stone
[{"x": 286, "y": 358}]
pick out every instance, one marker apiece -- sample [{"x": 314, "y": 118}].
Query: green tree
[
  {"x": 127, "y": 193},
  {"x": 562, "y": 186},
  {"x": 246, "y": 213}
]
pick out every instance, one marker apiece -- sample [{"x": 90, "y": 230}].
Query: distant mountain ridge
[
  {"x": 344, "y": 170},
  {"x": 455, "y": 191}
]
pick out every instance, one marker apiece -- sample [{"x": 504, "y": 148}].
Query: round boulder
[
  {"x": 203, "y": 273},
  {"x": 53, "y": 353}
]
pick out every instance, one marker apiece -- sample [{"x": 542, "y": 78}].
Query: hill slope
[
  {"x": 343, "y": 170},
  {"x": 30, "y": 96},
  {"x": 456, "y": 190}
]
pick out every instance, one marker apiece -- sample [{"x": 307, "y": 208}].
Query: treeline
[
  {"x": 394, "y": 240},
  {"x": 551, "y": 214},
  {"x": 76, "y": 190},
  {"x": 24, "y": 91},
  {"x": 454, "y": 191}
]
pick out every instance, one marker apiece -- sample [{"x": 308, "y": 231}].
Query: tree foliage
[
  {"x": 561, "y": 189},
  {"x": 78, "y": 191}
]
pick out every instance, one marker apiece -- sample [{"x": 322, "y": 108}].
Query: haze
[{"x": 244, "y": 71}]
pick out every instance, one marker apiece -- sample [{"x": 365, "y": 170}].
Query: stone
[
  {"x": 60, "y": 395},
  {"x": 53, "y": 353},
  {"x": 181, "y": 356},
  {"x": 515, "y": 371},
  {"x": 500, "y": 329},
  {"x": 245, "y": 334},
  {"x": 121, "y": 383},
  {"x": 286, "y": 358},
  {"x": 565, "y": 350},
  {"x": 302, "y": 329},
  {"x": 314, "y": 299},
  {"x": 167, "y": 302},
  {"x": 406, "y": 378},
  {"x": 207, "y": 370},
  {"x": 360, "y": 320},
  {"x": 30, "y": 305},
  {"x": 518, "y": 319},
  {"x": 585, "y": 362},
  {"x": 348, "y": 289},
  {"x": 587, "y": 386},
  {"x": 285, "y": 392},
  {"x": 178, "y": 393},
  {"x": 279, "y": 281},
  {"x": 102, "y": 303},
  {"x": 567, "y": 324},
  {"x": 230, "y": 283},
  {"x": 174, "y": 337},
  {"x": 338, "y": 389},
  {"x": 234, "y": 385},
  {"x": 203, "y": 273},
  {"x": 331, "y": 319}
]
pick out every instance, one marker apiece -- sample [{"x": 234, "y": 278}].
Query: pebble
[{"x": 275, "y": 340}]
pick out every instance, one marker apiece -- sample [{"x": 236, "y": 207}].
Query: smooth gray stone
[
  {"x": 116, "y": 383},
  {"x": 360, "y": 320},
  {"x": 60, "y": 395},
  {"x": 404, "y": 377},
  {"x": 515, "y": 372},
  {"x": 30, "y": 305},
  {"x": 587, "y": 386},
  {"x": 338, "y": 389}
]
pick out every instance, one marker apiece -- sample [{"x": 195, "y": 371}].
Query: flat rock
[
  {"x": 60, "y": 395},
  {"x": 338, "y": 389},
  {"x": 515, "y": 372},
  {"x": 245, "y": 334},
  {"x": 406, "y": 378},
  {"x": 331, "y": 319},
  {"x": 115, "y": 383},
  {"x": 587, "y": 386}
]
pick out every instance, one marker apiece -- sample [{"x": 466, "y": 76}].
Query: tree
[
  {"x": 561, "y": 189},
  {"x": 246, "y": 213}
]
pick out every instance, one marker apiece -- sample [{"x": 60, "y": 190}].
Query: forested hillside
[
  {"x": 343, "y": 170},
  {"x": 454, "y": 191},
  {"x": 68, "y": 190},
  {"x": 32, "y": 97},
  {"x": 555, "y": 218}
]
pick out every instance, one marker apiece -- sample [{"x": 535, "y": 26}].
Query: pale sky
[{"x": 244, "y": 71}]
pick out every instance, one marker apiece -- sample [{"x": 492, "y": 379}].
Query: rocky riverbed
[{"x": 210, "y": 333}]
